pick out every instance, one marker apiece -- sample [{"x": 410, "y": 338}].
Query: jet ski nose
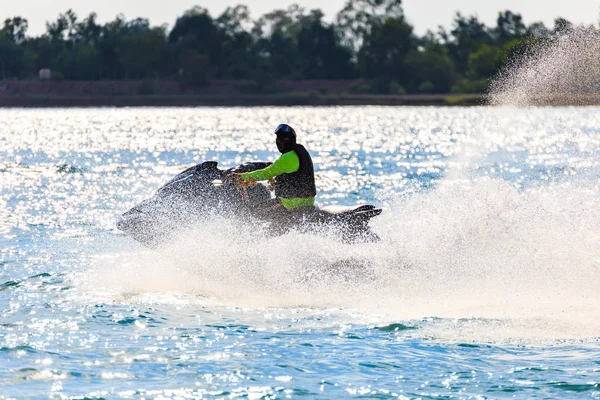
[{"x": 122, "y": 223}]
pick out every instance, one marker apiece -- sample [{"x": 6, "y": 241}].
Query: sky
[{"x": 423, "y": 14}]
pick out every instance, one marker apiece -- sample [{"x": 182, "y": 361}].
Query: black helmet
[
  {"x": 285, "y": 129},
  {"x": 286, "y": 138}
]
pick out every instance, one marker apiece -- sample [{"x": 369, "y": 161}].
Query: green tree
[
  {"x": 197, "y": 31},
  {"x": 239, "y": 54},
  {"x": 79, "y": 61},
  {"x": 385, "y": 49},
  {"x": 537, "y": 30},
  {"x": 16, "y": 61},
  {"x": 509, "y": 26},
  {"x": 321, "y": 54},
  {"x": 235, "y": 20},
  {"x": 87, "y": 31},
  {"x": 15, "y": 29},
  {"x": 358, "y": 17},
  {"x": 281, "y": 55},
  {"x": 466, "y": 37},
  {"x": 142, "y": 51},
  {"x": 195, "y": 68},
  {"x": 370, "y": 39},
  {"x": 109, "y": 48},
  {"x": 285, "y": 22},
  {"x": 277, "y": 46},
  {"x": 11, "y": 57},
  {"x": 485, "y": 62},
  {"x": 431, "y": 63}
]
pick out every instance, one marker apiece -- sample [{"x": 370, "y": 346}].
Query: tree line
[{"x": 370, "y": 41}]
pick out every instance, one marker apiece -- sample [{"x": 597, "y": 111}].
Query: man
[{"x": 293, "y": 172}]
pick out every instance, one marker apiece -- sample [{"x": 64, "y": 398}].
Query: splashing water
[
  {"x": 500, "y": 247},
  {"x": 561, "y": 70},
  {"x": 465, "y": 250}
]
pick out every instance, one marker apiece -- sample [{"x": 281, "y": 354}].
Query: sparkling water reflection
[{"x": 484, "y": 284}]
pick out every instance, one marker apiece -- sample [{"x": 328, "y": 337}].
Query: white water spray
[
  {"x": 496, "y": 263},
  {"x": 476, "y": 250},
  {"x": 563, "y": 70}
]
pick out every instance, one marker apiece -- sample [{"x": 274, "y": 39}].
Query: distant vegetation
[{"x": 370, "y": 41}]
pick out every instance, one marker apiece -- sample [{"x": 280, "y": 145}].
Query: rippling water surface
[{"x": 485, "y": 283}]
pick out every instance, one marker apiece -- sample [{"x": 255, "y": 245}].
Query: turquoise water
[{"x": 484, "y": 285}]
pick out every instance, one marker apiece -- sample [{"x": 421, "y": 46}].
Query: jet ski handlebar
[
  {"x": 244, "y": 184},
  {"x": 250, "y": 182}
]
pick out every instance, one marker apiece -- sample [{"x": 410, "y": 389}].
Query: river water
[{"x": 484, "y": 284}]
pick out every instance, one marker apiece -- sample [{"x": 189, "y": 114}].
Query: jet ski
[{"x": 205, "y": 190}]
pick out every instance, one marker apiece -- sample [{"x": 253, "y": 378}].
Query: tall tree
[
  {"x": 356, "y": 20},
  {"x": 467, "y": 36},
  {"x": 142, "y": 51},
  {"x": 15, "y": 60},
  {"x": 277, "y": 34},
  {"x": 239, "y": 53},
  {"x": 285, "y": 22},
  {"x": 197, "y": 36},
  {"x": 322, "y": 57},
  {"x": 15, "y": 29},
  {"x": 509, "y": 26},
  {"x": 384, "y": 50},
  {"x": 430, "y": 67},
  {"x": 235, "y": 20},
  {"x": 87, "y": 31}
]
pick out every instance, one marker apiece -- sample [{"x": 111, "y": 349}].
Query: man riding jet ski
[
  {"x": 293, "y": 172},
  {"x": 204, "y": 190}
]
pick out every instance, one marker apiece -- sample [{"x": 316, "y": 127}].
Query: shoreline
[
  {"x": 226, "y": 93},
  {"x": 218, "y": 93},
  {"x": 288, "y": 99}
]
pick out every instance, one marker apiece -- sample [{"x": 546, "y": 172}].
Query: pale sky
[{"x": 423, "y": 14}]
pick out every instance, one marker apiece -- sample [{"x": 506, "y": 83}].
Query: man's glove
[{"x": 238, "y": 181}]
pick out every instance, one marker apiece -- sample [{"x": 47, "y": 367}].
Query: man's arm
[{"x": 286, "y": 164}]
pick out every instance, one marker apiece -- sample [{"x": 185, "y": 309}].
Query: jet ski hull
[{"x": 205, "y": 189}]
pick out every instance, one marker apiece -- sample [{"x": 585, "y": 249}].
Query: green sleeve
[{"x": 286, "y": 164}]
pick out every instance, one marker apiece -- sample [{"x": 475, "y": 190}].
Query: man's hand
[
  {"x": 235, "y": 178},
  {"x": 250, "y": 182},
  {"x": 238, "y": 181}
]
